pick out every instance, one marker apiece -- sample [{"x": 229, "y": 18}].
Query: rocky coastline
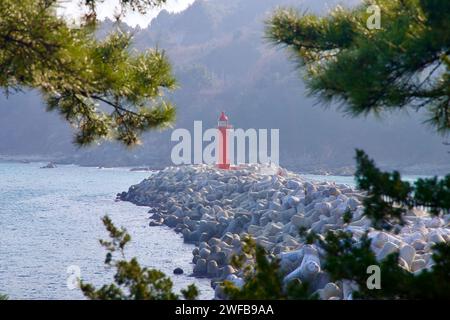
[{"x": 214, "y": 209}]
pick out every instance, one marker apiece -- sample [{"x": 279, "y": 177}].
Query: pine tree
[
  {"x": 102, "y": 87},
  {"x": 402, "y": 65}
]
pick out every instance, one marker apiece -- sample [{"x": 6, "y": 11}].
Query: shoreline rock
[
  {"x": 214, "y": 209},
  {"x": 49, "y": 165},
  {"x": 178, "y": 271}
]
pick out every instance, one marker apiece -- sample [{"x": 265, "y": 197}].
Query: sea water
[{"x": 50, "y": 226}]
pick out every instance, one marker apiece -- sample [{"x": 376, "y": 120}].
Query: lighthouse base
[{"x": 223, "y": 166}]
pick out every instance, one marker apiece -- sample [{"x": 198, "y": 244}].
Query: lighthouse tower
[{"x": 223, "y": 161}]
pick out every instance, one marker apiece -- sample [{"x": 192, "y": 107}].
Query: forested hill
[{"x": 223, "y": 62}]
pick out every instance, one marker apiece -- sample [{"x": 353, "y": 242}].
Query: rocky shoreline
[{"x": 215, "y": 209}]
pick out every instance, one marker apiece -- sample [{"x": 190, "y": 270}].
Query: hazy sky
[{"x": 72, "y": 9}]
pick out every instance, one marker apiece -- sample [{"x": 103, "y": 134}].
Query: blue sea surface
[{"x": 50, "y": 224}]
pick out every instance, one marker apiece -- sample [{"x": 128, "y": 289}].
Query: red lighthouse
[{"x": 223, "y": 161}]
